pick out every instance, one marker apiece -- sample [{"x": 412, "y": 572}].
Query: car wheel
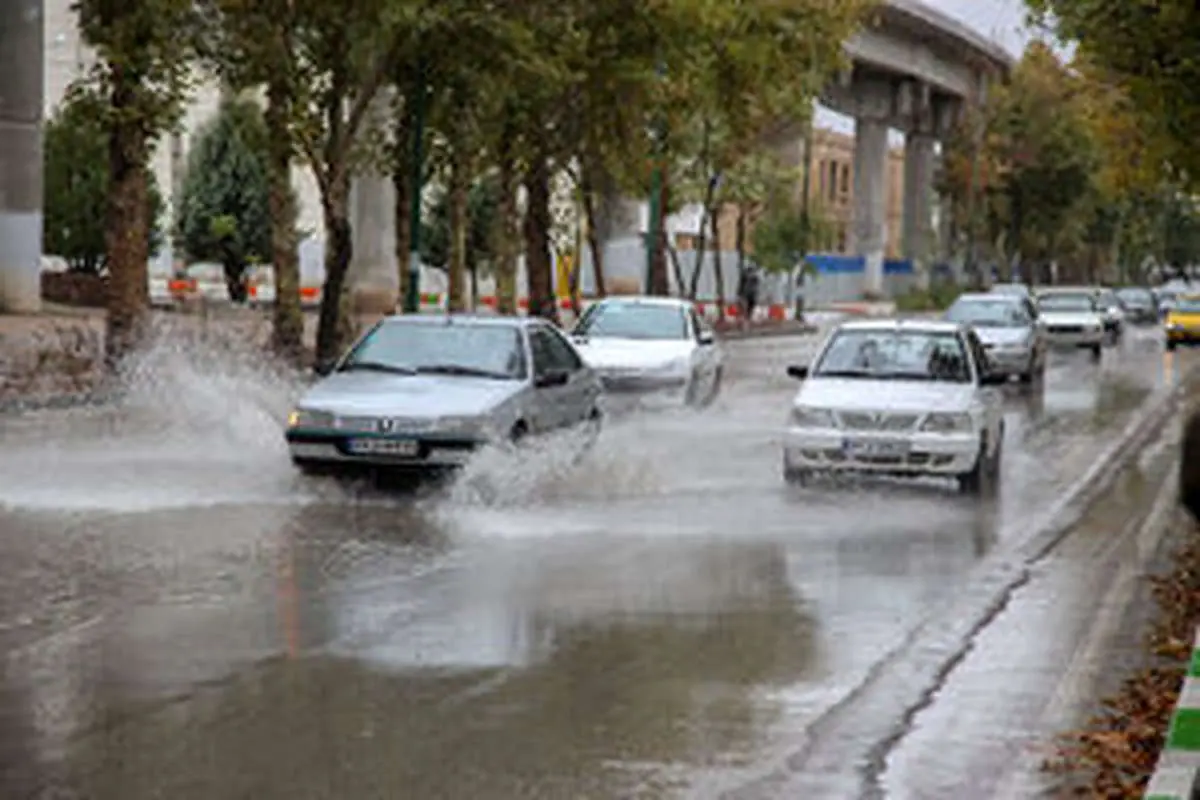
[
  {"x": 795, "y": 476},
  {"x": 518, "y": 434},
  {"x": 306, "y": 467},
  {"x": 972, "y": 482},
  {"x": 714, "y": 389},
  {"x": 1171, "y": 345},
  {"x": 1096, "y": 352}
]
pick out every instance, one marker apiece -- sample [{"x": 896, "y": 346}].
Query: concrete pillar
[
  {"x": 919, "y": 163},
  {"x": 870, "y": 199},
  {"x": 374, "y": 276},
  {"x": 21, "y": 99}
]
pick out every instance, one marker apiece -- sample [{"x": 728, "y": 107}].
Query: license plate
[
  {"x": 875, "y": 448},
  {"x": 400, "y": 448}
]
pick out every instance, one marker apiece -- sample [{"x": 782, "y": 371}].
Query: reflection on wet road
[{"x": 180, "y": 616}]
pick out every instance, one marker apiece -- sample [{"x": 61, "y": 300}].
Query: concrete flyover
[{"x": 913, "y": 68}]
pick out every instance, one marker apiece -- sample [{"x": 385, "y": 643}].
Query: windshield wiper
[
  {"x": 377, "y": 366},
  {"x": 457, "y": 369},
  {"x": 846, "y": 373}
]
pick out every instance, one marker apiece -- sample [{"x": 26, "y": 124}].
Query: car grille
[
  {"x": 1065, "y": 328},
  {"x": 877, "y": 421},
  {"x": 372, "y": 424}
]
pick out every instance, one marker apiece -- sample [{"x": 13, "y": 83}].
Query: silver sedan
[
  {"x": 1007, "y": 326},
  {"x": 425, "y": 393}
]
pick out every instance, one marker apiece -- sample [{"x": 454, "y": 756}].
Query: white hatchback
[{"x": 900, "y": 397}]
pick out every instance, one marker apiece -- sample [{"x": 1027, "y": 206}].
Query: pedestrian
[{"x": 748, "y": 293}]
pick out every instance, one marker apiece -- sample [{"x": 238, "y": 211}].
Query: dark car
[{"x": 1141, "y": 306}]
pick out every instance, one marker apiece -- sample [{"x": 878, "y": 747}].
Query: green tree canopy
[
  {"x": 224, "y": 215},
  {"x": 77, "y": 182}
]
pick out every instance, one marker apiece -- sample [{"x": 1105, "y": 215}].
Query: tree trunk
[
  {"x": 127, "y": 224},
  {"x": 660, "y": 282},
  {"x": 287, "y": 334},
  {"x": 740, "y": 238},
  {"x": 676, "y": 267},
  {"x": 456, "y": 266},
  {"x": 702, "y": 239},
  {"x": 538, "y": 262},
  {"x": 507, "y": 246},
  {"x": 718, "y": 268},
  {"x": 587, "y": 192},
  {"x": 402, "y": 211},
  {"x": 334, "y": 326}
]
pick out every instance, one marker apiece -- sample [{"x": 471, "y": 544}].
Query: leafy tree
[
  {"x": 482, "y": 211},
  {"x": 785, "y": 236},
  {"x": 144, "y": 52},
  {"x": 77, "y": 181},
  {"x": 225, "y": 215},
  {"x": 1149, "y": 50}
]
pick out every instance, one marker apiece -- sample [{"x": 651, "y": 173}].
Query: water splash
[{"x": 199, "y": 422}]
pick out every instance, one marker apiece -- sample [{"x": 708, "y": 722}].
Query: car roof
[
  {"x": 465, "y": 319},
  {"x": 649, "y": 300},
  {"x": 902, "y": 324},
  {"x": 989, "y": 297}
]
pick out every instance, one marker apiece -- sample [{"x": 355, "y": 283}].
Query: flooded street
[{"x": 183, "y": 616}]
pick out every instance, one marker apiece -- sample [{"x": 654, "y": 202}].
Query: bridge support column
[
  {"x": 21, "y": 100},
  {"x": 918, "y": 200},
  {"x": 870, "y": 199},
  {"x": 374, "y": 279}
]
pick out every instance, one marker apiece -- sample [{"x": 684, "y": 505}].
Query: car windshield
[
  {"x": 487, "y": 351},
  {"x": 1066, "y": 302},
  {"x": 916, "y": 355},
  {"x": 1136, "y": 297},
  {"x": 634, "y": 321},
  {"x": 983, "y": 313},
  {"x": 1187, "y": 305}
]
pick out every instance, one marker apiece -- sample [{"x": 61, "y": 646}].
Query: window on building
[
  {"x": 842, "y": 238},
  {"x": 846, "y": 179},
  {"x": 833, "y": 180},
  {"x": 820, "y": 178}
]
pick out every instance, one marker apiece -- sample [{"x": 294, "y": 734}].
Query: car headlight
[
  {"x": 460, "y": 424},
  {"x": 809, "y": 417},
  {"x": 946, "y": 423},
  {"x": 307, "y": 418}
]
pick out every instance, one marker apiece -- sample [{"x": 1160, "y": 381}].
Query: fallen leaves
[{"x": 1114, "y": 756}]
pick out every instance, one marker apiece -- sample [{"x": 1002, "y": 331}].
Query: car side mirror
[
  {"x": 706, "y": 337},
  {"x": 555, "y": 377},
  {"x": 322, "y": 369},
  {"x": 797, "y": 372}
]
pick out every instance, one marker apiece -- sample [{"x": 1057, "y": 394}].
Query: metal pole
[
  {"x": 652, "y": 234},
  {"x": 412, "y": 299},
  {"x": 21, "y": 99}
]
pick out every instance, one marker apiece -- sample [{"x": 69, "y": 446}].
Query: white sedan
[
  {"x": 651, "y": 346},
  {"x": 900, "y": 397}
]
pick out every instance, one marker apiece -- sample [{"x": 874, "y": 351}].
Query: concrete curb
[
  {"x": 1177, "y": 774},
  {"x": 768, "y": 332},
  {"x": 59, "y": 402}
]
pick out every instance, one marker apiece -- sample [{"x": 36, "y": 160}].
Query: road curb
[
  {"x": 59, "y": 402},
  {"x": 1177, "y": 773},
  {"x": 768, "y": 332},
  {"x": 1138, "y": 432}
]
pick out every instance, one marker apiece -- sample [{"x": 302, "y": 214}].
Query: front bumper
[
  {"x": 644, "y": 389},
  {"x": 1074, "y": 336},
  {"x": 915, "y": 453},
  {"x": 333, "y": 449},
  {"x": 1010, "y": 360}
]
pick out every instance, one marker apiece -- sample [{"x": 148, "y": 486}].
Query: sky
[{"x": 1002, "y": 21}]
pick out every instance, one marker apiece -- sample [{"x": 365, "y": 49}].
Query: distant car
[
  {"x": 1113, "y": 311},
  {"x": 1072, "y": 318},
  {"x": 1141, "y": 307},
  {"x": 1165, "y": 297},
  {"x": 1008, "y": 327},
  {"x": 651, "y": 346},
  {"x": 904, "y": 397},
  {"x": 1182, "y": 325},
  {"x": 1017, "y": 289},
  {"x": 425, "y": 393}
]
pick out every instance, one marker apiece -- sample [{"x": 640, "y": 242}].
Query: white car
[
  {"x": 651, "y": 346},
  {"x": 899, "y": 397},
  {"x": 1072, "y": 318}
]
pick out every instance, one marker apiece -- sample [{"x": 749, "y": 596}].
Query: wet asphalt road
[{"x": 182, "y": 617}]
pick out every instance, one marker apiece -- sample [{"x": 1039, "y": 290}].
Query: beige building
[{"x": 831, "y": 192}]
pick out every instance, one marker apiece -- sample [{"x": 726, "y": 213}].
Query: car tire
[
  {"x": 715, "y": 389},
  {"x": 796, "y": 476},
  {"x": 306, "y": 467},
  {"x": 1097, "y": 351},
  {"x": 518, "y": 434},
  {"x": 1171, "y": 345},
  {"x": 973, "y": 482}
]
